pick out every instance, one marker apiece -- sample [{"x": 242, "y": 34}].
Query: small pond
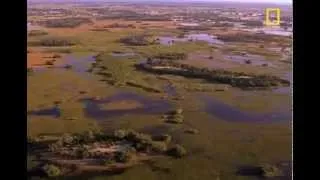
[
  {"x": 93, "y": 109},
  {"x": 168, "y": 40}
]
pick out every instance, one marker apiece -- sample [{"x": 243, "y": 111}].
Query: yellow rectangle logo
[{"x": 269, "y": 22}]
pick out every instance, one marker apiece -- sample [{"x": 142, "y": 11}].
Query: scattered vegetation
[
  {"x": 65, "y": 22},
  {"x": 170, "y": 56},
  {"x": 254, "y": 38},
  {"x": 174, "y": 117},
  {"x": 137, "y": 40},
  {"x": 265, "y": 170},
  {"x": 37, "y": 33}
]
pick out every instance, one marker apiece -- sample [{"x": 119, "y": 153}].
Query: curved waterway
[{"x": 78, "y": 64}]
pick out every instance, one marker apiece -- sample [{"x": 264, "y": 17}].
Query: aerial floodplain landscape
[{"x": 158, "y": 90}]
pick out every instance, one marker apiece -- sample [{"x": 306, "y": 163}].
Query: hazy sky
[{"x": 240, "y": 1}]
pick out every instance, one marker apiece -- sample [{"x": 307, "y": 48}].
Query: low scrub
[
  {"x": 136, "y": 40},
  {"x": 194, "y": 28},
  {"x": 65, "y": 22},
  {"x": 53, "y": 42},
  {"x": 170, "y": 56},
  {"x": 37, "y": 33},
  {"x": 192, "y": 131},
  {"x": 51, "y": 170}
]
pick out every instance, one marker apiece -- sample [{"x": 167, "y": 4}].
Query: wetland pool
[{"x": 169, "y": 40}]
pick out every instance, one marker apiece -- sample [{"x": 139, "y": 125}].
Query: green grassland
[{"x": 215, "y": 152}]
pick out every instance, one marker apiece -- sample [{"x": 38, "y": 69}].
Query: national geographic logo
[{"x": 272, "y": 17}]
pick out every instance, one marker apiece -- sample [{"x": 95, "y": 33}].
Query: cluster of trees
[
  {"x": 136, "y": 40},
  {"x": 194, "y": 28},
  {"x": 65, "y": 22},
  {"x": 237, "y": 79},
  {"x": 77, "y": 145},
  {"x": 133, "y": 16},
  {"x": 53, "y": 41},
  {"x": 241, "y": 37}
]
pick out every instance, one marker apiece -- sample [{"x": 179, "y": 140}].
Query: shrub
[
  {"x": 49, "y": 63},
  {"x": 177, "y": 151},
  {"x": 139, "y": 137},
  {"x": 164, "y": 137},
  {"x": 175, "y": 119},
  {"x": 179, "y": 111},
  {"x": 120, "y": 133},
  {"x": 82, "y": 152},
  {"x": 68, "y": 66},
  {"x": 29, "y": 70},
  {"x": 137, "y": 40},
  {"x": 67, "y": 139},
  {"x": 107, "y": 161},
  {"x": 123, "y": 156},
  {"x": 51, "y": 170},
  {"x": 192, "y": 131},
  {"x": 248, "y": 62},
  {"x": 56, "y": 56},
  {"x": 158, "y": 147},
  {"x": 270, "y": 171}
]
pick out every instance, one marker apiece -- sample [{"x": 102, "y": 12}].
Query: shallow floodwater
[
  {"x": 54, "y": 112},
  {"x": 167, "y": 40},
  {"x": 79, "y": 64},
  {"x": 170, "y": 90},
  {"x": 226, "y": 112},
  {"x": 256, "y": 60},
  {"x": 92, "y": 107}
]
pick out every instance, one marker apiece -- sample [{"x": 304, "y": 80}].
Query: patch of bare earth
[{"x": 37, "y": 58}]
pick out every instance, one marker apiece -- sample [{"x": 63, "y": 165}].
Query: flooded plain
[{"x": 226, "y": 112}]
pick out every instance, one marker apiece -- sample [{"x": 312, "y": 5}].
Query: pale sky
[{"x": 240, "y": 1}]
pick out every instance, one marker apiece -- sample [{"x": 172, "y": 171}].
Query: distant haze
[{"x": 175, "y": 1}]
